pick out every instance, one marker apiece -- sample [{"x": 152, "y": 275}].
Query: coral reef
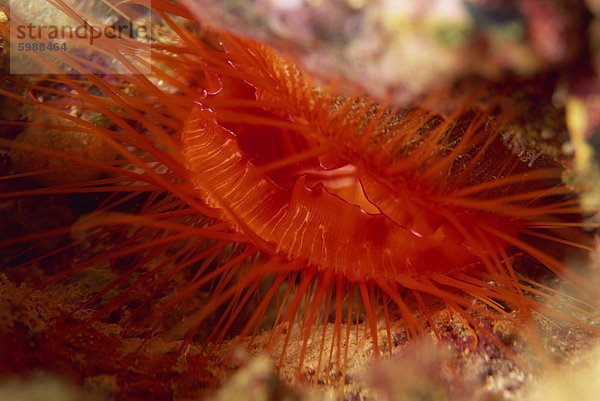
[{"x": 546, "y": 53}]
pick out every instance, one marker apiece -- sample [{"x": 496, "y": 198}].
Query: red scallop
[{"x": 351, "y": 191}]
